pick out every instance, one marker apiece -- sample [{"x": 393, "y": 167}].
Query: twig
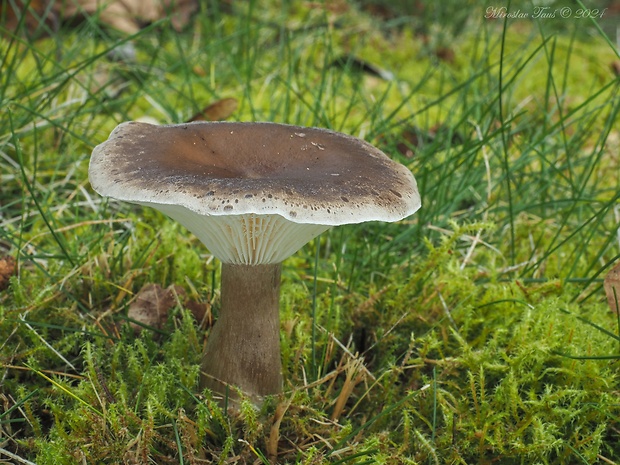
[
  {"x": 274, "y": 434},
  {"x": 49, "y": 372},
  {"x": 16, "y": 457},
  {"x": 463, "y": 237},
  {"x": 348, "y": 352}
]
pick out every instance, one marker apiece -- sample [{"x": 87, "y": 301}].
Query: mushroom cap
[{"x": 203, "y": 171}]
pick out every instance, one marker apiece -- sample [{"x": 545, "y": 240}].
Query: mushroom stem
[{"x": 243, "y": 349}]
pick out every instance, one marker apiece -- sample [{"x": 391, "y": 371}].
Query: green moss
[{"x": 473, "y": 332}]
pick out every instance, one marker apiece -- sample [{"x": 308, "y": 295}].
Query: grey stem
[{"x": 243, "y": 349}]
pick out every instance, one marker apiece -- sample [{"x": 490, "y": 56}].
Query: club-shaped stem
[{"x": 243, "y": 349}]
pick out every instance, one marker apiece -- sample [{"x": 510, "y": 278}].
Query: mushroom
[{"x": 253, "y": 193}]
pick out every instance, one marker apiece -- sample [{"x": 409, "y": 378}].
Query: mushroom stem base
[{"x": 243, "y": 349}]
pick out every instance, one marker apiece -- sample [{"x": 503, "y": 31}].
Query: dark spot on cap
[
  {"x": 228, "y": 208},
  {"x": 397, "y": 194},
  {"x": 344, "y": 199},
  {"x": 293, "y": 214}
]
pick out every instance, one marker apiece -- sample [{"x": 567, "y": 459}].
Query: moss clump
[{"x": 474, "y": 332}]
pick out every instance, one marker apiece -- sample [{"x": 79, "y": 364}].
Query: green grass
[{"x": 475, "y": 331}]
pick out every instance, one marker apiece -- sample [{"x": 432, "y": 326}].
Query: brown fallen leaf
[
  {"x": 124, "y": 15},
  {"x": 217, "y": 111},
  {"x": 153, "y": 303},
  {"x": 151, "y": 307},
  {"x": 386, "y": 11},
  {"x": 34, "y": 17},
  {"x": 129, "y": 15},
  {"x": 199, "y": 71},
  {"x": 414, "y": 138},
  {"x": 445, "y": 54},
  {"x": 612, "y": 288},
  {"x": 8, "y": 268},
  {"x": 358, "y": 65},
  {"x": 333, "y": 6},
  {"x": 437, "y": 49}
]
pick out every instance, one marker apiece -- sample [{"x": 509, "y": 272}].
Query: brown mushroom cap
[{"x": 264, "y": 179}]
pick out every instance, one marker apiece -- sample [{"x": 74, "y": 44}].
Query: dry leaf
[
  {"x": 333, "y": 6},
  {"x": 153, "y": 304},
  {"x": 129, "y": 15},
  {"x": 8, "y": 268},
  {"x": 35, "y": 16},
  {"x": 612, "y": 288},
  {"x": 199, "y": 71},
  {"x": 445, "y": 54},
  {"x": 414, "y": 138},
  {"x": 217, "y": 111},
  {"x": 151, "y": 307},
  {"x": 386, "y": 11},
  {"x": 124, "y": 15},
  {"x": 200, "y": 312},
  {"x": 360, "y": 66}
]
